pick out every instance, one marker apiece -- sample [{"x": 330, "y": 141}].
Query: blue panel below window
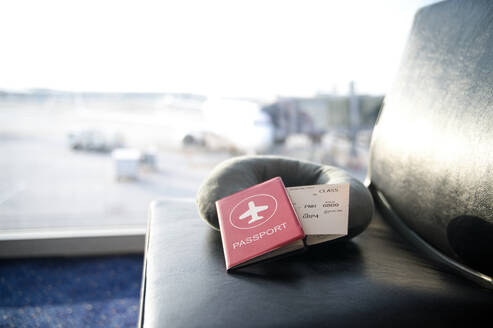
[{"x": 70, "y": 292}]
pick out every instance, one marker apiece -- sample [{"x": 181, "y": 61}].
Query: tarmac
[{"x": 45, "y": 185}]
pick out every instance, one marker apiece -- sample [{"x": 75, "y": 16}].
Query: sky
[{"x": 223, "y": 48}]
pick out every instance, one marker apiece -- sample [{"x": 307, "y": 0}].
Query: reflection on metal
[{"x": 396, "y": 222}]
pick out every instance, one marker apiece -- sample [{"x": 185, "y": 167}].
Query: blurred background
[{"x": 108, "y": 105}]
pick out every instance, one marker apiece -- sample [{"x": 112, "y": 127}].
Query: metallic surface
[
  {"x": 425, "y": 248},
  {"x": 432, "y": 148}
]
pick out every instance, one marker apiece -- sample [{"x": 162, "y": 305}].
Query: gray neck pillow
[{"x": 239, "y": 173}]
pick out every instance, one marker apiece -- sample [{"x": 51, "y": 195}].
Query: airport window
[{"x": 101, "y": 116}]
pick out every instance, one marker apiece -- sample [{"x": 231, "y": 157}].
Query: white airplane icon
[{"x": 252, "y": 211}]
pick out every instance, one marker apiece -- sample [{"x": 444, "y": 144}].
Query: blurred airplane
[
  {"x": 251, "y": 127},
  {"x": 239, "y": 125}
]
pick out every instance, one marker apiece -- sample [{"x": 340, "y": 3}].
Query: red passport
[{"x": 258, "y": 223}]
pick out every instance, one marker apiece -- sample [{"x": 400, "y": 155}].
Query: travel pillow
[{"x": 239, "y": 173}]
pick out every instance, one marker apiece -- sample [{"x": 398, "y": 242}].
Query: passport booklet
[{"x": 258, "y": 223}]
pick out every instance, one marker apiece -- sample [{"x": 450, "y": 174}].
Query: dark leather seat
[
  {"x": 431, "y": 175},
  {"x": 374, "y": 280}
]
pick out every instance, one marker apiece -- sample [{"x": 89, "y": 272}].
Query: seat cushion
[
  {"x": 373, "y": 280},
  {"x": 239, "y": 173}
]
